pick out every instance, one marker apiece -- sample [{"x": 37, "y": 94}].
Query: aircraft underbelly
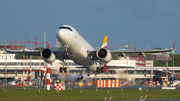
[{"x": 78, "y": 52}]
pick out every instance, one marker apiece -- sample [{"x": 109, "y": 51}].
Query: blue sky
[{"x": 155, "y": 23}]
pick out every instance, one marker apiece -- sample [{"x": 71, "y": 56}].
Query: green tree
[
  {"x": 19, "y": 56},
  {"x": 176, "y": 60},
  {"x": 170, "y": 62},
  {"x": 159, "y": 63}
]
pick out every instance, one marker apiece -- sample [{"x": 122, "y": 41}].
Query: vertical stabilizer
[
  {"x": 174, "y": 45},
  {"x": 104, "y": 45}
]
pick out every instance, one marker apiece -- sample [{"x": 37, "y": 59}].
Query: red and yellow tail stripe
[{"x": 104, "y": 45}]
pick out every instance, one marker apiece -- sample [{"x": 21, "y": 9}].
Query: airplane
[{"x": 81, "y": 52}]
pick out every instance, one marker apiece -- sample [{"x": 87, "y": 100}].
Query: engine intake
[
  {"x": 104, "y": 55},
  {"x": 48, "y": 55}
]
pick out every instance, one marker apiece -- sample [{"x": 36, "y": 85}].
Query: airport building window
[
  {"x": 2, "y": 71},
  {"x": 19, "y": 71},
  {"x": 139, "y": 72},
  {"x": 2, "y": 63},
  {"x": 8, "y": 71},
  {"x": 130, "y": 71},
  {"x": 11, "y": 63},
  {"x": 13, "y": 71},
  {"x": 18, "y": 64},
  {"x": 148, "y": 72}
]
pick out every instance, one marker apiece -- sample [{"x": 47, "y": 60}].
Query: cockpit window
[{"x": 66, "y": 28}]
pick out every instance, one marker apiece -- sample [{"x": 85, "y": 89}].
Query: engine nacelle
[
  {"x": 104, "y": 55},
  {"x": 48, "y": 55}
]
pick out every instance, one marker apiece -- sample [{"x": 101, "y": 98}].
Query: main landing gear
[
  {"x": 100, "y": 70},
  {"x": 61, "y": 69}
]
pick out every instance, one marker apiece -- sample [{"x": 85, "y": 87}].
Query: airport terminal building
[{"x": 28, "y": 70}]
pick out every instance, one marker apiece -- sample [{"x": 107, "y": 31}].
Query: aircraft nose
[{"x": 59, "y": 35}]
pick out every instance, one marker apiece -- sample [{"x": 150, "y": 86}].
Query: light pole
[
  {"x": 44, "y": 39},
  {"x": 172, "y": 52},
  {"x": 30, "y": 55},
  {"x": 30, "y": 40}
]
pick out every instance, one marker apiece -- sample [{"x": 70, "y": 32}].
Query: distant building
[
  {"x": 140, "y": 60},
  {"x": 12, "y": 47},
  {"x": 160, "y": 57}
]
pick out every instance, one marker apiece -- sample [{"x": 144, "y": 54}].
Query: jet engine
[
  {"x": 104, "y": 55},
  {"x": 48, "y": 55}
]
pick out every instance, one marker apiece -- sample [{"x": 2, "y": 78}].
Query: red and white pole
[
  {"x": 167, "y": 70},
  {"x": 30, "y": 72},
  {"x": 91, "y": 77},
  {"x": 109, "y": 74},
  {"x": 152, "y": 71},
  {"x": 27, "y": 70},
  {"x": 48, "y": 77},
  {"x": 6, "y": 70},
  {"x": 23, "y": 69},
  {"x": 44, "y": 75},
  {"x": 40, "y": 68}
]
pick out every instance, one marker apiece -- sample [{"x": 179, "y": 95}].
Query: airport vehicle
[
  {"x": 16, "y": 81},
  {"x": 81, "y": 52}
]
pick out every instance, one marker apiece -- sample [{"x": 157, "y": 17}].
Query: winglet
[
  {"x": 5, "y": 46},
  {"x": 174, "y": 45},
  {"x": 81, "y": 71},
  {"x": 104, "y": 45}
]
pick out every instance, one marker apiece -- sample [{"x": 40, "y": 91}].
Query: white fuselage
[{"x": 77, "y": 47}]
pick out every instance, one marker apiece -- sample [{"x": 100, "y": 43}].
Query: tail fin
[
  {"x": 174, "y": 45},
  {"x": 104, "y": 45}
]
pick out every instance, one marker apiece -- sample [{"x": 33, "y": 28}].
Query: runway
[{"x": 91, "y": 93}]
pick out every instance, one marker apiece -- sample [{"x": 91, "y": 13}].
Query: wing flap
[
  {"x": 34, "y": 53},
  {"x": 92, "y": 53},
  {"x": 118, "y": 67},
  {"x": 59, "y": 53}
]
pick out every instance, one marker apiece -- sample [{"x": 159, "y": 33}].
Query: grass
[{"x": 40, "y": 94}]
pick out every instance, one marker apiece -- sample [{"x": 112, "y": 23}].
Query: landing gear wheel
[
  {"x": 98, "y": 69},
  {"x": 60, "y": 69},
  {"x": 102, "y": 69},
  {"x": 65, "y": 69}
]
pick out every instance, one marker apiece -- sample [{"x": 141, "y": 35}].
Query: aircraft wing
[
  {"x": 136, "y": 53},
  {"x": 118, "y": 53},
  {"x": 33, "y": 53},
  {"x": 59, "y": 53},
  {"x": 118, "y": 67}
]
